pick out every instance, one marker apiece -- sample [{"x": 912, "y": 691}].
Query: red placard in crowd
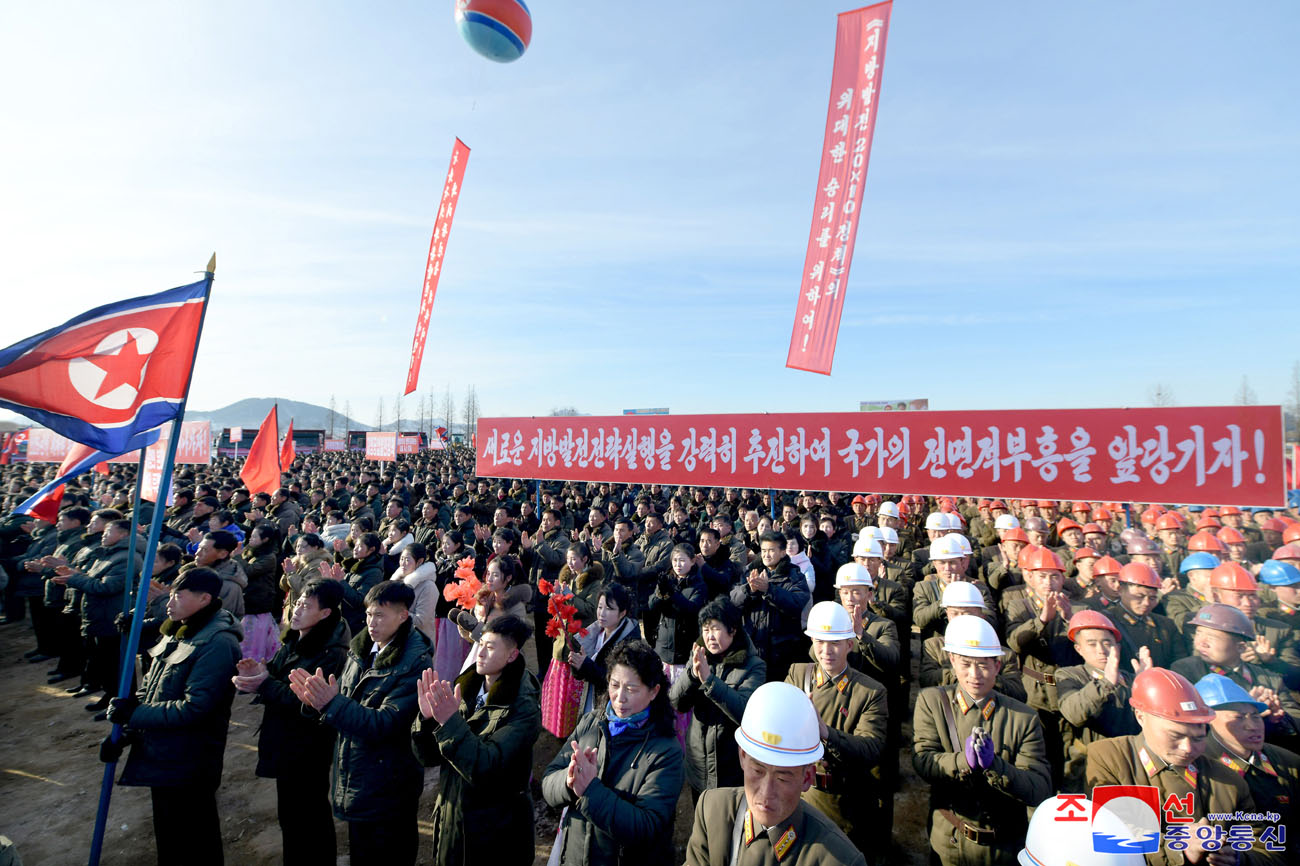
[
  {"x": 335, "y": 445},
  {"x": 850, "y": 125},
  {"x": 437, "y": 246},
  {"x": 408, "y": 444},
  {"x": 1212, "y": 455},
  {"x": 381, "y": 446}
]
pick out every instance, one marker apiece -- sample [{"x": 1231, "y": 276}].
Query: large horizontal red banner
[
  {"x": 1207, "y": 455},
  {"x": 195, "y": 447}
]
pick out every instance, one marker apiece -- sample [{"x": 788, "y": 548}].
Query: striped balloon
[{"x": 498, "y": 29}]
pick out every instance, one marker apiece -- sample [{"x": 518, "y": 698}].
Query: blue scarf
[{"x": 618, "y": 725}]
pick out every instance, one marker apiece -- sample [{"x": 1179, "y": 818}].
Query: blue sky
[{"x": 1065, "y": 206}]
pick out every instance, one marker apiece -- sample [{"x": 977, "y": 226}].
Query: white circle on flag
[{"x": 87, "y": 377}]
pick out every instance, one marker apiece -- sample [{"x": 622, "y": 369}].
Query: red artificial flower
[
  {"x": 544, "y": 586},
  {"x": 553, "y": 629}
]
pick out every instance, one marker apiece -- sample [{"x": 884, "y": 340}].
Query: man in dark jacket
[
  {"x": 176, "y": 723},
  {"x": 292, "y": 749},
  {"x": 376, "y": 780},
  {"x": 480, "y": 735},
  {"x": 358, "y": 574},
  {"x": 52, "y": 637},
  {"x": 772, "y": 600}
]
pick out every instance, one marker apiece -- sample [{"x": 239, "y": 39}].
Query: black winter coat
[
  {"x": 359, "y": 576},
  {"x": 712, "y": 760},
  {"x": 678, "y": 616},
  {"x": 772, "y": 617},
  {"x": 288, "y": 743}
]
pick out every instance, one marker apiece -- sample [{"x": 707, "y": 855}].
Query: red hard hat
[
  {"x": 1152, "y": 514},
  {"x": 1168, "y": 521},
  {"x": 998, "y": 503},
  {"x": 1040, "y": 559},
  {"x": 1093, "y": 528},
  {"x": 984, "y": 503},
  {"x": 1085, "y": 553},
  {"x": 1106, "y": 565},
  {"x": 1090, "y": 619},
  {"x": 1066, "y": 523},
  {"x": 1169, "y": 695},
  {"x": 1208, "y": 523},
  {"x": 1102, "y": 514},
  {"x": 1274, "y": 524},
  {"x": 1081, "y": 507},
  {"x": 1228, "y": 535},
  {"x": 1205, "y": 541},
  {"x": 1141, "y": 574},
  {"x": 1211, "y": 512},
  {"x": 1015, "y": 534},
  {"x": 859, "y": 498},
  {"x": 1292, "y": 534},
  {"x": 1046, "y": 503},
  {"x": 1231, "y": 576},
  {"x": 1229, "y": 510}
]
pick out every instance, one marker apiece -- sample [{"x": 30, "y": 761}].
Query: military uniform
[
  {"x": 1094, "y": 709},
  {"x": 1286, "y": 659},
  {"x": 724, "y": 834},
  {"x": 927, "y": 611},
  {"x": 1155, "y": 632},
  {"x": 1042, "y": 648},
  {"x": 1128, "y": 761},
  {"x": 1286, "y": 732},
  {"x": 1272, "y": 774},
  {"x": 979, "y": 817},
  {"x": 1181, "y": 605},
  {"x": 936, "y": 670},
  {"x": 853, "y": 707}
]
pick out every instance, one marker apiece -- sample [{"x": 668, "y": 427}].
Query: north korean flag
[
  {"x": 44, "y": 503},
  {"x": 106, "y": 377}
]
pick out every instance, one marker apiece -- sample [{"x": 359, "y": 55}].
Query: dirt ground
[{"x": 50, "y": 778}]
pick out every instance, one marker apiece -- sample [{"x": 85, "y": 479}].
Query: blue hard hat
[
  {"x": 1260, "y": 509},
  {"x": 1199, "y": 559},
  {"x": 1278, "y": 573},
  {"x": 1196, "y": 509},
  {"x": 1217, "y": 690}
]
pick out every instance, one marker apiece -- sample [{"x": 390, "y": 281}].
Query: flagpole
[
  {"x": 146, "y": 572},
  {"x": 135, "y": 521}
]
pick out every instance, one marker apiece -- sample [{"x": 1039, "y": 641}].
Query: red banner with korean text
[
  {"x": 381, "y": 446},
  {"x": 195, "y": 446},
  {"x": 846, "y": 148},
  {"x": 408, "y": 444},
  {"x": 335, "y": 445},
  {"x": 1210, "y": 456},
  {"x": 433, "y": 268}
]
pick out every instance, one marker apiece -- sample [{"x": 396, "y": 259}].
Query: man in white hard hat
[
  {"x": 853, "y": 712},
  {"x": 888, "y": 597},
  {"x": 950, "y": 565},
  {"x": 961, "y": 598},
  {"x": 982, "y": 753},
  {"x": 1170, "y": 755},
  {"x": 876, "y": 651},
  {"x": 887, "y": 516},
  {"x": 766, "y": 822}
]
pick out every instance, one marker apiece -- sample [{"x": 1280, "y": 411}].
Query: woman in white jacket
[
  {"x": 416, "y": 570},
  {"x": 797, "y": 549}
]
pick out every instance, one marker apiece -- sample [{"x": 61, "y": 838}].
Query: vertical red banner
[
  {"x": 437, "y": 247},
  {"x": 850, "y": 125}
]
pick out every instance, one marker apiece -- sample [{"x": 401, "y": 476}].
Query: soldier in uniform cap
[
  {"x": 982, "y": 753},
  {"x": 853, "y": 716},
  {"x": 1237, "y": 741},
  {"x": 1169, "y": 754},
  {"x": 766, "y": 822}
]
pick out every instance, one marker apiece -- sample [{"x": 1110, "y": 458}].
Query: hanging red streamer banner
[
  {"x": 850, "y": 125},
  {"x": 437, "y": 247}
]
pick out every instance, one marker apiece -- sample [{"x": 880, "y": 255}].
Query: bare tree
[
  {"x": 333, "y": 412},
  {"x": 564, "y": 412},
  {"x": 347, "y": 413},
  {"x": 1293, "y": 398},
  {"x": 1161, "y": 395},
  {"x": 379, "y": 415},
  {"x": 397, "y": 407},
  {"x": 448, "y": 410},
  {"x": 471, "y": 411},
  {"x": 1245, "y": 394}
]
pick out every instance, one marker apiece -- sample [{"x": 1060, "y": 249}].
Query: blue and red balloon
[{"x": 498, "y": 29}]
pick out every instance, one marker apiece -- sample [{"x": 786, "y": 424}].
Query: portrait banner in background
[
  {"x": 433, "y": 267},
  {"x": 846, "y": 148},
  {"x": 1209, "y": 456},
  {"x": 381, "y": 446}
]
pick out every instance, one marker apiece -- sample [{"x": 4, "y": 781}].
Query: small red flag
[
  {"x": 286, "y": 448},
  {"x": 261, "y": 472}
]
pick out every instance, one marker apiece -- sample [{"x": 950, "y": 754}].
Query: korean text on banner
[
  {"x": 408, "y": 444},
  {"x": 850, "y": 125},
  {"x": 437, "y": 247},
  {"x": 1212, "y": 456},
  {"x": 336, "y": 445},
  {"x": 381, "y": 446}
]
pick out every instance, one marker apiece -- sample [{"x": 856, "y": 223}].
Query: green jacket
[
  {"x": 484, "y": 813},
  {"x": 816, "y": 842},
  {"x": 103, "y": 585}
]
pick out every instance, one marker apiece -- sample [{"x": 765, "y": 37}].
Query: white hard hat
[
  {"x": 780, "y": 726},
  {"x": 867, "y": 546},
  {"x": 1062, "y": 830},
  {"x": 871, "y": 532},
  {"x": 970, "y": 635},
  {"x": 853, "y": 574},
  {"x": 888, "y": 509},
  {"x": 936, "y": 520},
  {"x": 961, "y": 593},
  {"x": 828, "y": 620},
  {"x": 1006, "y": 521},
  {"x": 963, "y": 541},
  {"x": 951, "y": 521},
  {"x": 945, "y": 547},
  {"x": 888, "y": 535}
]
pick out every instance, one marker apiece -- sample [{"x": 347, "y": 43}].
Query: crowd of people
[{"x": 762, "y": 651}]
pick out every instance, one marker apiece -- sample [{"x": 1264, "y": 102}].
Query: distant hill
[{"x": 249, "y": 414}]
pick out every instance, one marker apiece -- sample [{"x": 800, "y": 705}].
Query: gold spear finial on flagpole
[{"x": 212, "y": 264}]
